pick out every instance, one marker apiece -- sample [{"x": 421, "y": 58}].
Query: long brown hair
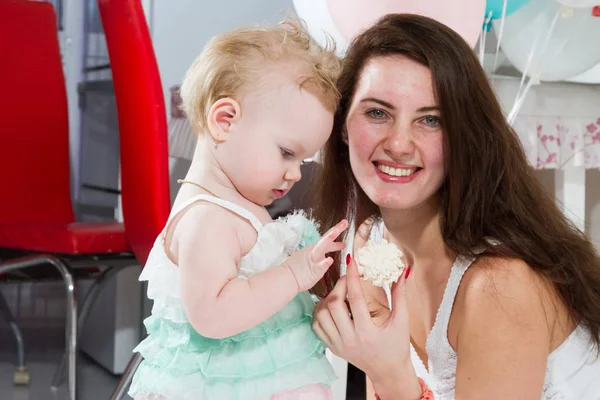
[{"x": 490, "y": 190}]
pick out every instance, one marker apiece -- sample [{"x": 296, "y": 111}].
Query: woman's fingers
[
  {"x": 342, "y": 318},
  {"x": 323, "y": 317},
  {"x": 333, "y": 317},
  {"x": 339, "y": 292},
  {"x": 356, "y": 297},
  {"x": 322, "y": 334},
  {"x": 362, "y": 233},
  {"x": 339, "y": 312},
  {"x": 399, "y": 303}
]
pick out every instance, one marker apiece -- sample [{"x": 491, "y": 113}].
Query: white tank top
[{"x": 572, "y": 371}]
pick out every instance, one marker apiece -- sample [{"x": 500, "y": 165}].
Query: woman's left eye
[
  {"x": 431, "y": 120},
  {"x": 286, "y": 153}
]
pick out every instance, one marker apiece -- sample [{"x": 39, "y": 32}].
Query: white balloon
[
  {"x": 572, "y": 47},
  {"x": 589, "y": 76},
  {"x": 579, "y": 3},
  {"x": 319, "y": 23}
]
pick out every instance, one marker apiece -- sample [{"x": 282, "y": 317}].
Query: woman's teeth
[{"x": 395, "y": 171}]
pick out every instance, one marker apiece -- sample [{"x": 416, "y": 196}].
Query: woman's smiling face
[{"x": 394, "y": 133}]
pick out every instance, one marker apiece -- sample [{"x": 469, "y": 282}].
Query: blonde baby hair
[{"x": 234, "y": 60}]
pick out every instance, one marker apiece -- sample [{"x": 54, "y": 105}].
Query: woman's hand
[{"x": 382, "y": 352}]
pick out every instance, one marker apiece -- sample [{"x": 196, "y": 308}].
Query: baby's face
[{"x": 280, "y": 126}]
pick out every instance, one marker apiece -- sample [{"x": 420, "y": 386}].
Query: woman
[{"x": 502, "y": 296}]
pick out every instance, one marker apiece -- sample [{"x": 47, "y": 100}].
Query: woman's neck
[{"x": 417, "y": 231}]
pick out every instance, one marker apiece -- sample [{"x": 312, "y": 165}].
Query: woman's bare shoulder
[{"x": 509, "y": 290}]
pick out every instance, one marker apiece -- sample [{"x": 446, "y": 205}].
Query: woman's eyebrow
[
  {"x": 429, "y": 108},
  {"x": 378, "y": 101},
  {"x": 391, "y": 106}
]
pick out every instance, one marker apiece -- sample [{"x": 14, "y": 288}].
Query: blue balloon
[{"x": 495, "y": 6}]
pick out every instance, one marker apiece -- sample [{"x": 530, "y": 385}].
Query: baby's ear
[{"x": 223, "y": 113}]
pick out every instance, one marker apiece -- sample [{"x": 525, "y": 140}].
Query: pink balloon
[{"x": 354, "y": 16}]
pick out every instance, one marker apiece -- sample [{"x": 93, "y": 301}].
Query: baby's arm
[{"x": 217, "y": 303}]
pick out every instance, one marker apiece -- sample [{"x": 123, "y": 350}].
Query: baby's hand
[{"x": 310, "y": 264}]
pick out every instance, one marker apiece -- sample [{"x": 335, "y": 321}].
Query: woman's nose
[{"x": 399, "y": 140}]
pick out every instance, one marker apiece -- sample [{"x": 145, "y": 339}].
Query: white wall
[
  {"x": 181, "y": 28},
  {"x": 71, "y": 41},
  {"x": 548, "y": 177},
  {"x": 592, "y": 203}
]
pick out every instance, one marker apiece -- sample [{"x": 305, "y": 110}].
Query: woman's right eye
[{"x": 376, "y": 113}]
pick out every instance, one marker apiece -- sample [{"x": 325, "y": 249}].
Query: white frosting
[{"x": 380, "y": 263}]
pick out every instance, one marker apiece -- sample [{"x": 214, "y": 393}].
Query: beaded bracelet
[{"x": 426, "y": 393}]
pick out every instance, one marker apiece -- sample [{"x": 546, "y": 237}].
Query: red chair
[
  {"x": 37, "y": 225},
  {"x": 143, "y": 131},
  {"x": 142, "y": 123}
]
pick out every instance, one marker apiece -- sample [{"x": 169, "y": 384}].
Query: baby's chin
[{"x": 258, "y": 199}]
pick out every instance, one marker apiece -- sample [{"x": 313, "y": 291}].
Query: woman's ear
[{"x": 223, "y": 113}]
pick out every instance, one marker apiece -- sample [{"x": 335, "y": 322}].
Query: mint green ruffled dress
[{"x": 279, "y": 353}]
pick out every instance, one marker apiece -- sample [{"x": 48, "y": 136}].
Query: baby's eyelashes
[{"x": 287, "y": 154}]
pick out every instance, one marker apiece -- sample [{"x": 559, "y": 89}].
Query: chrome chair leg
[
  {"x": 121, "y": 389},
  {"x": 71, "y": 328},
  {"x": 21, "y": 375},
  {"x": 90, "y": 298}
]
